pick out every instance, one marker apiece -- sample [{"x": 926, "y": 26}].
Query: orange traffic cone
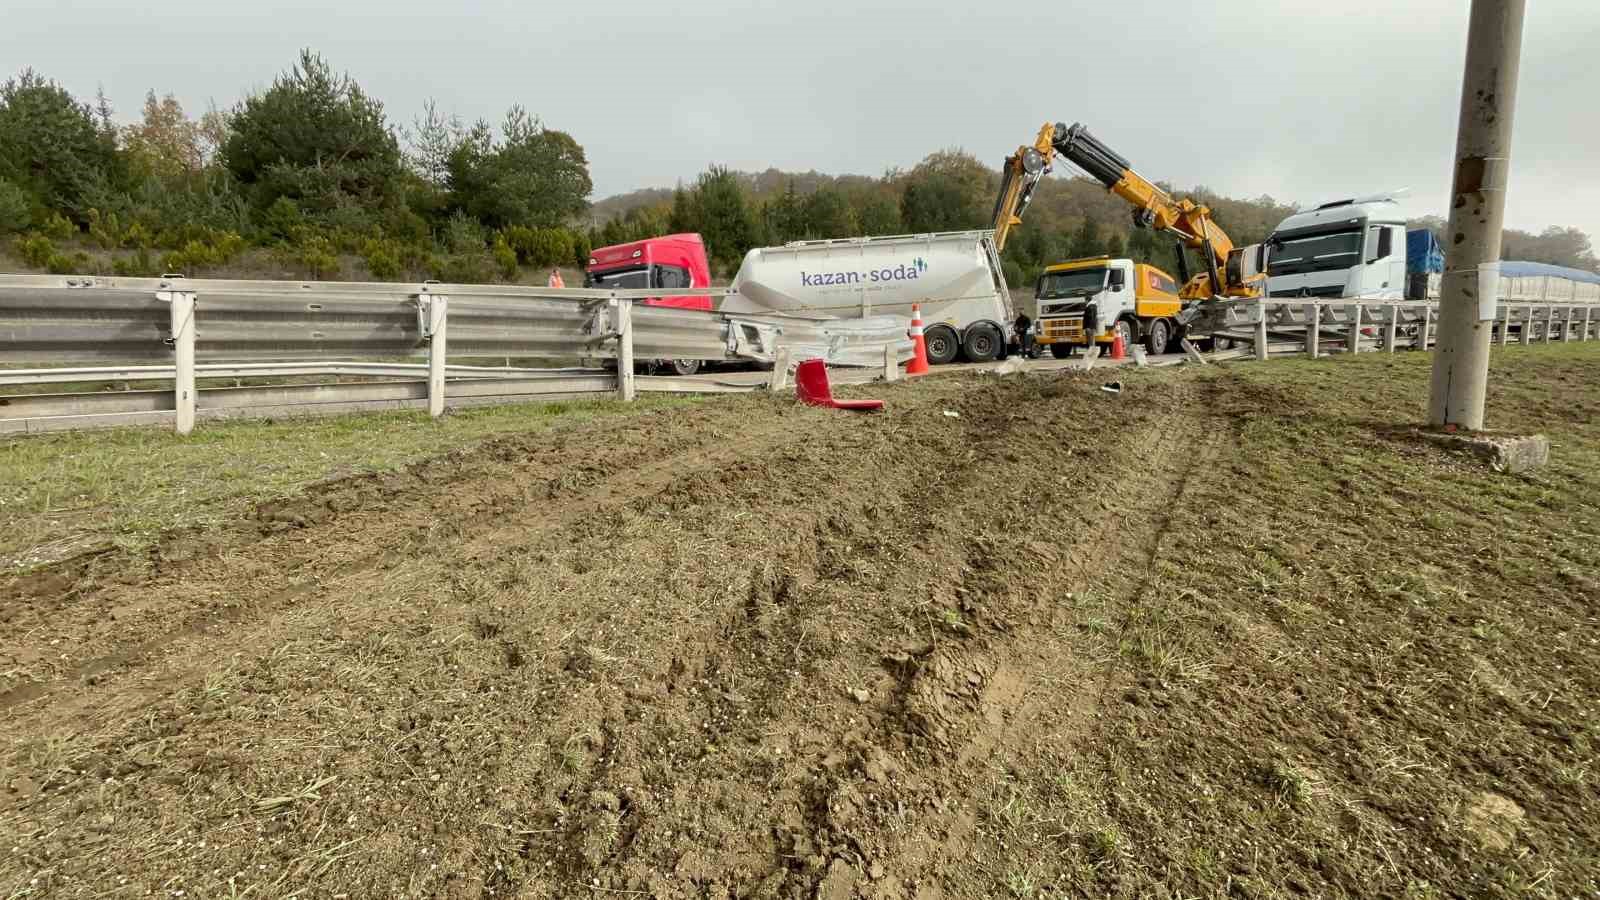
[
  {"x": 919, "y": 356},
  {"x": 1119, "y": 350}
]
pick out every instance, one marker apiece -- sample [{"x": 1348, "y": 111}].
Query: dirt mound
[{"x": 746, "y": 649}]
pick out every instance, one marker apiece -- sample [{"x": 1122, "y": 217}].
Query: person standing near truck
[
  {"x": 1024, "y": 327},
  {"x": 555, "y": 278}
]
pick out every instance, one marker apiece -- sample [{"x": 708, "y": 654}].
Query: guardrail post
[
  {"x": 780, "y": 370},
  {"x": 438, "y": 321},
  {"x": 1393, "y": 331},
  {"x": 1549, "y": 323},
  {"x": 625, "y": 384},
  {"x": 1503, "y": 319},
  {"x": 1427, "y": 324},
  {"x": 1261, "y": 330},
  {"x": 1355, "y": 330},
  {"x": 891, "y": 363},
  {"x": 1527, "y": 327},
  {"x": 1314, "y": 330},
  {"x": 1566, "y": 327},
  {"x": 1586, "y": 311},
  {"x": 183, "y": 389}
]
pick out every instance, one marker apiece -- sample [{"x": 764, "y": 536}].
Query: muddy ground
[{"x": 1227, "y": 633}]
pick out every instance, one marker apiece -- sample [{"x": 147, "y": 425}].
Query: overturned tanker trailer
[{"x": 955, "y": 276}]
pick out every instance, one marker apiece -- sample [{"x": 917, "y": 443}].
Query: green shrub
[
  {"x": 406, "y": 226},
  {"x": 521, "y": 239},
  {"x": 463, "y": 234},
  {"x": 58, "y": 227},
  {"x": 581, "y": 249},
  {"x": 282, "y": 219},
  {"x": 209, "y": 251},
  {"x": 317, "y": 257},
  {"x": 139, "y": 265},
  {"x": 464, "y": 268},
  {"x": 354, "y": 222},
  {"x": 35, "y": 249},
  {"x": 382, "y": 258},
  {"x": 136, "y": 235},
  {"x": 505, "y": 258},
  {"x": 16, "y": 208},
  {"x": 105, "y": 230},
  {"x": 543, "y": 247},
  {"x": 62, "y": 264}
]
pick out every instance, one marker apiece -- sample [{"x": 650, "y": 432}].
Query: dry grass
[{"x": 68, "y": 492}]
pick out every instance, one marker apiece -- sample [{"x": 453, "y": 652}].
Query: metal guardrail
[
  {"x": 183, "y": 329},
  {"x": 1309, "y": 322}
]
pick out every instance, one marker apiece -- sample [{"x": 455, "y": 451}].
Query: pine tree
[
  {"x": 1114, "y": 246},
  {"x": 1086, "y": 240}
]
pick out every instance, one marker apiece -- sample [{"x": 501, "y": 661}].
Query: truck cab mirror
[{"x": 1118, "y": 279}]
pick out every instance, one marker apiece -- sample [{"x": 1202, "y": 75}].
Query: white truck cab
[{"x": 1349, "y": 248}]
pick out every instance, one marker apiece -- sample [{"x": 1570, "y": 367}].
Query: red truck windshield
[
  {"x": 621, "y": 279},
  {"x": 640, "y": 277}
]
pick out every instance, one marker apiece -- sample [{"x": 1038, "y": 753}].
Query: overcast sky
[{"x": 1305, "y": 101}]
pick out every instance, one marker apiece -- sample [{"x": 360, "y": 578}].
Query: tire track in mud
[
  {"x": 952, "y": 700},
  {"x": 716, "y": 745},
  {"x": 994, "y": 674}
]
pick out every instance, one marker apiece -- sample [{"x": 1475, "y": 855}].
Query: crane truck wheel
[
  {"x": 1061, "y": 351},
  {"x": 943, "y": 345},
  {"x": 983, "y": 342},
  {"x": 685, "y": 366},
  {"x": 1159, "y": 337},
  {"x": 1129, "y": 329}
]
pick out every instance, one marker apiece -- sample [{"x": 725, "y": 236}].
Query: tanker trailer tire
[
  {"x": 943, "y": 345},
  {"x": 685, "y": 366},
  {"x": 982, "y": 343},
  {"x": 1159, "y": 338}
]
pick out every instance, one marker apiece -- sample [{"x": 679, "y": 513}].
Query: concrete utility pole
[{"x": 1470, "y": 287}]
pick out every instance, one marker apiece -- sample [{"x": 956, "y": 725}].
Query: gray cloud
[{"x": 1303, "y": 101}]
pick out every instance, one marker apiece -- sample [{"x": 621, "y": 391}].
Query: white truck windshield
[
  {"x": 1076, "y": 283},
  {"x": 1316, "y": 252}
]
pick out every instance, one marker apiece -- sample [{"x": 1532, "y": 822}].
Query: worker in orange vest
[{"x": 555, "y": 278}]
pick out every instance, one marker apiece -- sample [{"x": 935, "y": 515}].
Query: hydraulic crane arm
[
  {"x": 1022, "y": 173},
  {"x": 1154, "y": 208},
  {"x": 1230, "y": 271}
]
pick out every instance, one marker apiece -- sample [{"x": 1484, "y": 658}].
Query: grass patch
[{"x": 66, "y": 492}]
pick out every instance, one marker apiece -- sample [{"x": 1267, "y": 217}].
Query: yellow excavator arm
[{"x": 1230, "y": 271}]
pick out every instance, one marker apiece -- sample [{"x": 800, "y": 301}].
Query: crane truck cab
[
  {"x": 1087, "y": 301},
  {"x": 1348, "y": 248},
  {"x": 672, "y": 261}
]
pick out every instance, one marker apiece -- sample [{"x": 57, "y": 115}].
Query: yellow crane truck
[{"x": 1087, "y": 301}]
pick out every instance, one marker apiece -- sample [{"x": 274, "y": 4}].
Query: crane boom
[
  {"x": 1230, "y": 271},
  {"x": 1021, "y": 174}
]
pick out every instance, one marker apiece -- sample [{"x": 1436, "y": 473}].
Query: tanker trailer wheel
[
  {"x": 1159, "y": 337},
  {"x": 983, "y": 343},
  {"x": 685, "y": 366},
  {"x": 942, "y": 344}
]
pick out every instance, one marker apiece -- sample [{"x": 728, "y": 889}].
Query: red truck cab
[{"x": 673, "y": 261}]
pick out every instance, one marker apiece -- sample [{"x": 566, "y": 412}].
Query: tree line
[
  {"x": 310, "y": 169},
  {"x": 313, "y": 173}
]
